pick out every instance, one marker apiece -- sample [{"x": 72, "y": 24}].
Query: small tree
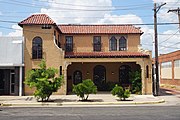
[
  {"x": 84, "y": 89},
  {"x": 120, "y": 92},
  {"x": 44, "y": 81}
]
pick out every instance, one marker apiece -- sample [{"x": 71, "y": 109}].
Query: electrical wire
[
  {"x": 74, "y": 9},
  {"x": 169, "y": 37}
]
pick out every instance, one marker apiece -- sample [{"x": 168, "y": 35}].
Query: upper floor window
[
  {"x": 177, "y": 63},
  {"x": 122, "y": 44},
  {"x": 97, "y": 43},
  {"x": 69, "y": 44},
  {"x": 37, "y": 48},
  {"x": 46, "y": 26},
  {"x": 113, "y": 44},
  {"x": 166, "y": 64}
]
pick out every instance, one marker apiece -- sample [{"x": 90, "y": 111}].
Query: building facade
[
  {"x": 11, "y": 65},
  {"x": 102, "y": 53},
  {"x": 170, "y": 68}
]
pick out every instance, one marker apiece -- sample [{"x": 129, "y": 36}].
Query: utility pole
[
  {"x": 156, "y": 9},
  {"x": 178, "y": 12}
]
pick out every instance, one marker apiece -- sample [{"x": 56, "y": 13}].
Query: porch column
[
  {"x": 20, "y": 81},
  {"x": 66, "y": 64},
  {"x": 143, "y": 80}
]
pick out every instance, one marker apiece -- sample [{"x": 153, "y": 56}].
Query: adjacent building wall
[
  {"x": 12, "y": 59},
  {"x": 170, "y": 68}
]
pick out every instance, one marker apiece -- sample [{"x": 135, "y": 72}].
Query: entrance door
[
  {"x": 99, "y": 76},
  {"x": 2, "y": 83},
  {"x": 124, "y": 77},
  {"x": 12, "y": 82}
]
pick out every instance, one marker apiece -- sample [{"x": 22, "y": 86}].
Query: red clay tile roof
[
  {"x": 40, "y": 19},
  {"x": 120, "y": 54},
  {"x": 99, "y": 29},
  {"x": 37, "y": 19}
]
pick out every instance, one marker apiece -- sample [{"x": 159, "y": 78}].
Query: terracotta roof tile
[
  {"x": 104, "y": 54},
  {"x": 98, "y": 29},
  {"x": 37, "y": 19}
]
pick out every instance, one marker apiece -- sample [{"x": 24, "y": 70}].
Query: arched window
[
  {"x": 77, "y": 77},
  {"x": 37, "y": 48},
  {"x": 122, "y": 44},
  {"x": 113, "y": 44}
]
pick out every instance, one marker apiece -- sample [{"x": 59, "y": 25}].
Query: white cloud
[
  {"x": 121, "y": 19},
  {"x": 75, "y": 11},
  {"x": 0, "y": 33},
  {"x": 169, "y": 42},
  {"x": 17, "y": 32}
]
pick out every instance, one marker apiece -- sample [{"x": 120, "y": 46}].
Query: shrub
[
  {"x": 84, "y": 89},
  {"x": 44, "y": 81},
  {"x": 120, "y": 92},
  {"x": 136, "y": 82}
]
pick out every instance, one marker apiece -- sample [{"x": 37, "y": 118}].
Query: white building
[{"x": 11, "y": 65}]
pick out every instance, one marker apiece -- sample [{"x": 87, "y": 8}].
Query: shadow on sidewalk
[{"x": 167, "y": 92}]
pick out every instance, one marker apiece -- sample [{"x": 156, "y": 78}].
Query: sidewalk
[{"x": 70, "y": 100}]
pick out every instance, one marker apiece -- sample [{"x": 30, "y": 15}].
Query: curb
[{"x": 81, "y": 103}]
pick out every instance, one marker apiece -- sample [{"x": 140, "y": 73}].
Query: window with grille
[
  {"x": 113, "y": 44},
  {"x": 122, "y": 44},
  {"x": 69, "y": 44},
  {"x": 97, "y": 43}
]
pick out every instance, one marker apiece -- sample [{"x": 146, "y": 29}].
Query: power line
[
  {"x": 74, "y": 9},
  {"x": 81, "y": 5},
  {"x": 151, "y": 45},
  {"x": 169, "y": 37},
  {"x": 170, "y": 46},
  {"x": 110, "y": 24}
]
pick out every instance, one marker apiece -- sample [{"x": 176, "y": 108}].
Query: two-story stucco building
[{"x": 102, "y": 53}]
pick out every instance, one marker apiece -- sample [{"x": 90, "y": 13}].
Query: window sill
[{"x": 36, "y": 59}]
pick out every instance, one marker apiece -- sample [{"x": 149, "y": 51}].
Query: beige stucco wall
[
  {"x": 51, "y": 53},
  {"x": 84, "y": 43}
]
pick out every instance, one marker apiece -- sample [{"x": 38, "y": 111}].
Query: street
[
  {"x": 164, "y": 111},
  {"x": 92, "y": 113}
]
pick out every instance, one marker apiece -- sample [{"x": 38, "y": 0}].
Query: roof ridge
[
  {"x": 39, "y": 18},
  {"x": 94, "y": 25}
]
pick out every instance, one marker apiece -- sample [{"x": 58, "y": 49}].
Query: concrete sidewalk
[{"x": 70, "y": 100}]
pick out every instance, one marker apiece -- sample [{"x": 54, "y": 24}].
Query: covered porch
[
  {"x": 103, "y": 74},
  {"x": 107, "y": 71}
]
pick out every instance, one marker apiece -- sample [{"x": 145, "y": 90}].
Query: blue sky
[{"x": 97, "y": 12}]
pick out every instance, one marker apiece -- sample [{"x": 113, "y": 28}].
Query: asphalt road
[{"x": 92, "y": 113}]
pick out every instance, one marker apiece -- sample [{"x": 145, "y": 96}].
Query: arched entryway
[
  {"x": 124, "y": 75},
  {"x": 99, "y": 76},
  {"x": 77, "y": 77}
]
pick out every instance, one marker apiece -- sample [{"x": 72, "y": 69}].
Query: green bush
[
  {"x": 136, "y": 82},
  {"x": 44, "y": 81},
  {"x": 120, "y": 92},
  {"x": 84, "y": 89}
]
